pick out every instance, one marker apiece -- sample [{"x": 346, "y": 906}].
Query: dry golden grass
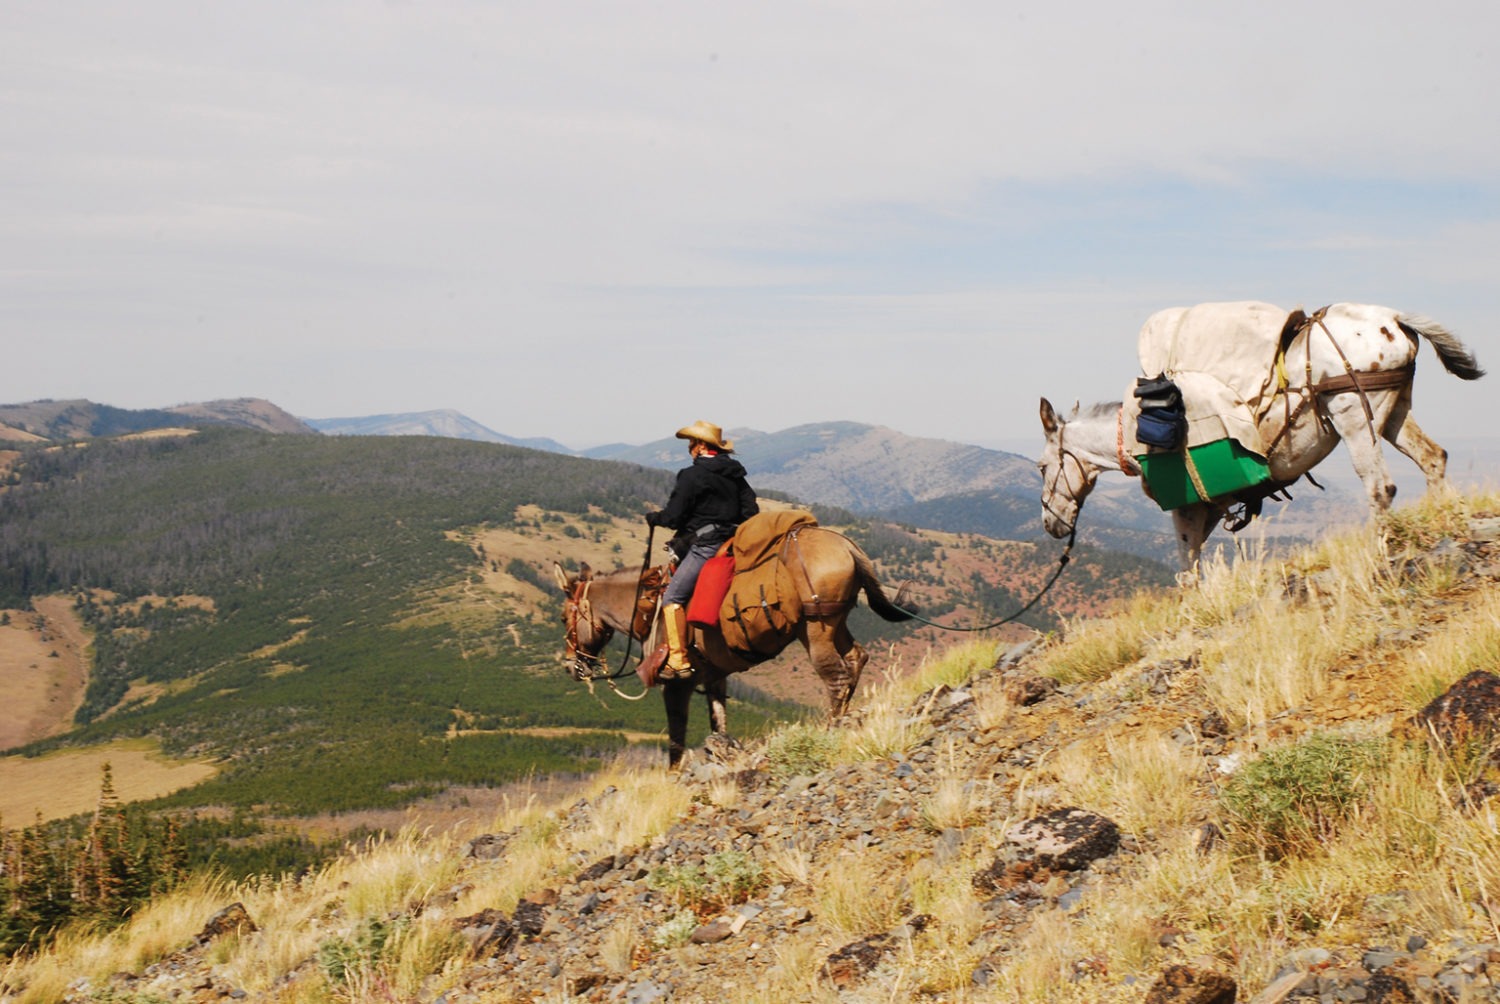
[
  {"x": 1455, "y": 650},
  {"x": 1099, "y": 647},
  {"x": 884, "y": 723},
  {"x": 381, "y": 879},
  {"x": 642, "y": 804},
  {"x": 946, "y": 953},
  {"x": 958, "y": 801},
  {"x": 42, "y": 671},
  {"x": 790, "y": 862},
  {"x": 66, "y": 783},
  {"x": 621, "y": 943},
  {"x": 845, "y": 903},
  {"x": 1148, "y": 784}
]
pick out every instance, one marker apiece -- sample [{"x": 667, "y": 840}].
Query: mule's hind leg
[
  {"x": 1347, "y": 413},
  {"x": 716, "y": 692},
  {"x": 838, "y": 660},
  {"x": 1403, "y": 432}
]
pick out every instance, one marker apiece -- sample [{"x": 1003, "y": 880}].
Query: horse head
[
  {"x": 1067, "y": 478},
  {"x": 586, "y": 635}
]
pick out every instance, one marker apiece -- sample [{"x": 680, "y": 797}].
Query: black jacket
[{"x": 712, "y": 491}]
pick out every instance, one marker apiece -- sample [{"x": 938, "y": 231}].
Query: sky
[{"x": 598, "y": 222}]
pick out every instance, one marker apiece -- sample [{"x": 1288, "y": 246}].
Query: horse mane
[{"x": 1104, "y": 409}]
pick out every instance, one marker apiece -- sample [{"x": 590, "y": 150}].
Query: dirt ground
[{"x": 42, "y": 671}]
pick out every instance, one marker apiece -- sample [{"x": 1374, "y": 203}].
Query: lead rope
[{"x": 1062, "y": 562}]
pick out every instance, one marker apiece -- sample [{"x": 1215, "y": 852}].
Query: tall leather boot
[{"x": 674, "y": 619}]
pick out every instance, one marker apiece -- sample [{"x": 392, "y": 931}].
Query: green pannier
[{"x": 1219, "y": 468}]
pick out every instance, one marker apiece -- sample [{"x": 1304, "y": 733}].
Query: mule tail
[
  {"x": 1456, "y": 357},
  {"x": 899, "y": 609}
]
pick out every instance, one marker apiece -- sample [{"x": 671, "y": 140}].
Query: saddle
[{"x": 747, "y": 591}]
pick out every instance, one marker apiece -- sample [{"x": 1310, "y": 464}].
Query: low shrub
[{"x": 1292, "y": 799}]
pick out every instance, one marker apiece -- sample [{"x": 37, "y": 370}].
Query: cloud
[{"x": 587, "y": 221}]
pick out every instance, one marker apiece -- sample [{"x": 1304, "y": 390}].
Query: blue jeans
[{"x": 680, "y": 589}]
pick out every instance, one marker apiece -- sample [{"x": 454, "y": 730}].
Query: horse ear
[
  {"x": 561, "y": 577},
  {"x": 1049, "y": 417},
  {"x": 1076, "y": 406}
]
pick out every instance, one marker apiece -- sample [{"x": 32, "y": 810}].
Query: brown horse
[{"x": 829, "y": 570}]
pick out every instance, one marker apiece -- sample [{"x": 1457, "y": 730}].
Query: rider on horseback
[{"x": 710, "y": 499}]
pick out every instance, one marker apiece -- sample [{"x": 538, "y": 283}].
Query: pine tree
[{"x": 43, "y": 885}]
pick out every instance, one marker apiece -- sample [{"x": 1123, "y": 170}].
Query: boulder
[
  {"x": 1187, "y": 985},
  {"x": 233, "y": 919},
  {"x": 1468, "y": 711},
  {"x": 1067, "y": 839}
]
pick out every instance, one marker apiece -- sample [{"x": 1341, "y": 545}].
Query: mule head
[
  {"x": 585, "y": 636},
  {"x": 1067, "y": 478}
]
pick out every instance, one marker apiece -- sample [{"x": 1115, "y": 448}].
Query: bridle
[
  {"x": 585, "y": 664},
  {"x": 584, "y": 652}
]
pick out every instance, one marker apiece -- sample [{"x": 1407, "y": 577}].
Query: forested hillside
[
  {"x": 63, "y": 421},
  {"x": 345, "y": 622}
]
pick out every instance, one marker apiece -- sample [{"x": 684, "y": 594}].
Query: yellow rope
[{"x": 1192, "y": 469}]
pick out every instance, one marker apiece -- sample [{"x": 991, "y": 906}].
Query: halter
[{"x": 1063, "y": 455}]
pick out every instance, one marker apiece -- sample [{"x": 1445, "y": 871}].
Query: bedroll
[{"x": 762, "y": 607}]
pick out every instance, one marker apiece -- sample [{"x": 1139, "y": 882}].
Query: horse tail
[
  {"x": 899, "y": 609},
  {"x": 1456, "y": 357}
]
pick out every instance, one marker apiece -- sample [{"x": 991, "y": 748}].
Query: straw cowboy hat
[{"x": 705, "y": 432}]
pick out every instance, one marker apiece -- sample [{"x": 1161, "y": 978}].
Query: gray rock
[{"x": 1067, "y": 838}]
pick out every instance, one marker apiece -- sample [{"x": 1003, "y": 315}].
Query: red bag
[{"x": 709, "y": 590}]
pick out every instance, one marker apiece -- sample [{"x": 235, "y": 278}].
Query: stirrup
[{"x": 667, "y": 672}]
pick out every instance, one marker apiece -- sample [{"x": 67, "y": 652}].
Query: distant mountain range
[
  {"x": 446, "y": 422},
  {"x": 64, "y": 421},
  {"x": 865, "y": 469}
]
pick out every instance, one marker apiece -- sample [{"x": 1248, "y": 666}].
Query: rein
[
  {"x": 635, "y": 607},
  {"x": 582, "y": 608}
]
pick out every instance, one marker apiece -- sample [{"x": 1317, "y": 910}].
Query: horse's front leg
[
  {"x": 678, "y": 697},
  {"x": 1191, "y": 525}
]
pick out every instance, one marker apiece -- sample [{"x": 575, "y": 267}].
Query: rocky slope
[{"x": 748, "y": 894}]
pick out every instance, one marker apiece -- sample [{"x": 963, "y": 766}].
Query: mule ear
[
  {"x": 585, "y": 573},
  {"x": 1049, "y": 417},
  {"x": 561, "y": 577}
]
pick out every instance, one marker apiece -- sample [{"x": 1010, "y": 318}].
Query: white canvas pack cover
[{"x": 1222, "y": 356}]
